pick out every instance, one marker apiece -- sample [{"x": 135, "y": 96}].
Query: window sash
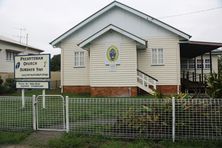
[
  {"x": 207, "y": 63},
  {"x": 191, "y": 63},
  {"x": 199, "y": 65},
  {"x": 157, "y": 56}
]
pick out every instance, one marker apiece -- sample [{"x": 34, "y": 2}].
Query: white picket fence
[{"x": 115, "y": 117}]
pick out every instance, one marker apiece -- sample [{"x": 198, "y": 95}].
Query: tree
[
  {"x": 214, "y": 85},
  {"x": 220, "y": 66},
  {"x": 55, "y": 62}
]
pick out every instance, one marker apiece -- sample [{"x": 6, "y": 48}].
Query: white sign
[
  {"x": 35, "y": 85},
  {"x": 32, "y": 66}
]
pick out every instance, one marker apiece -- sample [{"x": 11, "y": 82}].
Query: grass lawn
[
  {"x": 71, "y": 140},
  {"x": 12, "y": 137}
]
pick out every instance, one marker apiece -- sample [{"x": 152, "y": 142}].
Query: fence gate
[{"x": 49, "y": 113}]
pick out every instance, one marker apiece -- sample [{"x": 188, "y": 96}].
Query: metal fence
[
  {"x": 117, "y": 117},
  {"x": 121, "y": 117},
  {"x": 13, "y": 117}
]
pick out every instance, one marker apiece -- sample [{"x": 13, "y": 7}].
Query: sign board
[
  {"x": 32, "y": 85},
  {"x": 32, "y": 66}
]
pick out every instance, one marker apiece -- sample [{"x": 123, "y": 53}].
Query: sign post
[
  {"x": 32, "y": 72},
  {"x": 23, "y": 98},
  {"x": 43, "y": 98}
]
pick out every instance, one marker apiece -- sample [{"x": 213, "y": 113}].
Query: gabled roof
[
  {"x": 11, "y": 41},
  {"x": 115, "y": 28},
  {"x": 127, "y": 8}
]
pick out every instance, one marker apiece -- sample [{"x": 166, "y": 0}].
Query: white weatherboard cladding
[
  {"x": 169, "y": 72},
  {"x": 125, "y": 74},
  {"x": 74, "y": 76},
  {"x": 7, "y": 66},
  {"x": 122, "y": 19}
]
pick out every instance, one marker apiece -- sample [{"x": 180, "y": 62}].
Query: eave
[{"x": 114, "y": 28}]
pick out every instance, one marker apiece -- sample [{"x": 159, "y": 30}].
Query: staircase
[{"x": 146, "y": 82}]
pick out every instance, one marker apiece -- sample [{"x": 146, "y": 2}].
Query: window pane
[
  {"x": 199, "y": 65},
  {"x": 76, "y": 58},
  {"x": 160, "y": 56},
  {"x": 9, "y": 55},
  {"x": 81, "y": 58},
  {"x": 191, "y": 64},
  {"x": 154, "y": 56},
  {"x": 184, "y": 63},
  {"x": 207, "y": 63}
]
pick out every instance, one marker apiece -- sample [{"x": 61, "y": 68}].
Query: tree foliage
[
  {"x": 55, "y": 63},
  {"x": 220, "y": 66},
  {"x": 214, "y": 85}
]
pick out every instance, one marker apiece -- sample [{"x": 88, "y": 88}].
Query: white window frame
[
  {"x": 10, "y": 55},
  {"x": 79, "y": 59},
  {"x": 205, "y": 64},
  {"x": 159, "y": 57}
]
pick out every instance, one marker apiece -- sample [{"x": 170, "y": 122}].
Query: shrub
[
  {"x": 1, "y": 81},
  {"x": 214, "y": 85},
  {"x": 8, "y": 86}
]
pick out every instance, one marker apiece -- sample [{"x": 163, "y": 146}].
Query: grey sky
[{"x": 45, "y": 20}]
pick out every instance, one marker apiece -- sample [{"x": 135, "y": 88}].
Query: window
[
  {"x": 199, "y": 65},
  {"x": 79, "y": 59},
  {"x": 157, "y": 56},
  {"x": 191, "y": 64},
  {"x": 10, "y": 55},
  {"x": 207, "y": 63},
  {"x": 184, "y": 64}
]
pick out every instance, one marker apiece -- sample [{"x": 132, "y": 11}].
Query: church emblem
[{"x": 112, "y": 54}]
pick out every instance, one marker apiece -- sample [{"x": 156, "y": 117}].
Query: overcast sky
[{"x": 44, "y": 20}]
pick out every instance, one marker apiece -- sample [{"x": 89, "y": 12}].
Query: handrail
[
  {"x": 147, "y": 75},
  {"x": 194, "y": 77}
]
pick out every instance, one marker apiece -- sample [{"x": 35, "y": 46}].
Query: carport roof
[{"x": 191, "y": 49}]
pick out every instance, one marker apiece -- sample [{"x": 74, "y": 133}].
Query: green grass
[
  {"x": 72, "y": 140},
  {"x": 12, "y": 137},
  {"x": 36, "y": 92}
]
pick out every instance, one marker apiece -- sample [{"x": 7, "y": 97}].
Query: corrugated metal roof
[
  {"x": 127, "y": 8},
  {"x": 9, "y": 40}
]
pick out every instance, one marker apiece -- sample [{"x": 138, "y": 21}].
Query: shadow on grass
[{"x": 29, "y": 93}]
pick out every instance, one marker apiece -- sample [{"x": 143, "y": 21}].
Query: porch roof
[{"x": 191, "y": 49}]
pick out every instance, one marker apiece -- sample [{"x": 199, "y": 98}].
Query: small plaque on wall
[{"x": 112, "y": 67}]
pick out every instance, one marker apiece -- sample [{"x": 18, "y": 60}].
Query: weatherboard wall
[
  {"x": 167, "y": 73},
  {"x": 125, "y": 73},
  {"x": 156, "y": 36},
  {"x": 78, "y": 76}
]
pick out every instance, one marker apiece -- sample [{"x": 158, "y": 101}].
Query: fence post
[
  {"x": 67, "y": 114},
  {"x": 173, "y": 119},
  {"x": 33, "y": 113}
]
